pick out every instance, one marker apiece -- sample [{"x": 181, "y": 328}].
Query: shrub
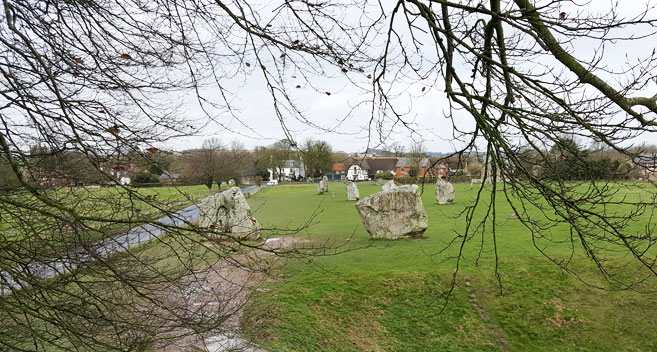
[
  {"x": 407, "y": 180},
  {"x": 8, "y": 179},
  {"x": 145, "y": 177},
  {"x": 460, "y": 179},
  {"x": 385, "y": 176}
]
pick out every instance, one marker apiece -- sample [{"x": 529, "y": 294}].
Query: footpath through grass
[{"x": 387, "y": 296}]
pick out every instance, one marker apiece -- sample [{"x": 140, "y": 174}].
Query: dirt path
[
  {"x": 219, "y": 290},
  {"x": 499, "y": 335}
]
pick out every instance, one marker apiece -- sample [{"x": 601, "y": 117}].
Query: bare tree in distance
[
  {"x": 474, "y": 169},
  {"x": 398, "y": 149},
  {"x": 232, "y": 163},
  {"x": 105, "y": 78},
  {"x": 279, "y": 153},
  {"x": 217, "y": 162},
  {"x": 417, "y": 155},
  {"x": 203, "y": 164},
  {"x": 317, "y": 157}
]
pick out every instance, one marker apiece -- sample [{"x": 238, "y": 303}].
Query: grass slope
[
  {"x": 386, "y": 296},
  {"x": 109, "y": 204}
]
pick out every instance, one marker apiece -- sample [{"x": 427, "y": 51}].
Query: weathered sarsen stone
[
  {"x": 352, "y": 191},
  {"x": 444, "y": 192},
  {"x": 381, "y": 181},
  {"x": 229, "y": 212},
  {"x": 323, "y": 185},
  {"x": 394, "y": 214},
  {"x": 388, "y": 185}
]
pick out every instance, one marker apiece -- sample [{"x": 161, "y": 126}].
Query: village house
[
  {"x": 646, "y": 166},
  {"x": 379, "y": 165},
  {"x": 358, "y": 170},
  {"x": 362, "y": 168},
  {"x": 365, "y": 167},
  {"x": 404, "y": 166},
  {"x": 442, "y": 167},
  {"x": 121, "y": 171},
  {"x": 338, "y": 172},
  {"x": 293, "y": 170},
  {"x": 168, "y": 177},
  {"x": 436, "y": 166}
]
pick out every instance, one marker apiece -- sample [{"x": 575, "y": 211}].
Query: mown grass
[
  {"x": 85, "y": 300},
  {"x": 101, "y": 297},
  {"x": 388, "y": 295},
  {"x": 112, "y": 206}
]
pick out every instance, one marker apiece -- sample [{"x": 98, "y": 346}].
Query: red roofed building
[{"x": 338, "y": 172}]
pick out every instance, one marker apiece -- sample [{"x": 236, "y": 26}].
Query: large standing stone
[
  {"x": 323, "y": 185},
  {"x": 444, "y": 192},
  {"x": 394, "y": 214},
  {"x": 388, "y": 185},
  {"x": 381, "y": 181},
  {"x": 229, "y": 212},
  {"x": 352, "y": 191}
]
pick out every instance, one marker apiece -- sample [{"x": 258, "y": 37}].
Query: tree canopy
[{"x": 317, "y": 157}]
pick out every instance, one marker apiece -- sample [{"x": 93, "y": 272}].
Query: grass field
[
  {"x": 386, "y": 296},
  {"x": 110, "y": 210},
  {"x": 170, "y": 255},
  {"x": 111, "y": 203}
]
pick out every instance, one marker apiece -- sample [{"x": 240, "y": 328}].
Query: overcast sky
[{"x": 426, "y": 109}]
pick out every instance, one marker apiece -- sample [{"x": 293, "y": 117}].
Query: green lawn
[
  {"x": 103, "y": 290},
  {"x": 377, "y": 295},
  {"x": 386, "y": 296},
  {"x": 112, "y": 209}
]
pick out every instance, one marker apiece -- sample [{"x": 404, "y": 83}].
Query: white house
[
  {"x": 294, "y": 169},
  {"x": 356, "y": 173},
  {"x": 169, "y": 177}
]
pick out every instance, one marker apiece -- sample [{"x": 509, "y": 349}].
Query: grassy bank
[
  {"x": 40, "y": 232},
  {"x": 110, "y": 204},
  {"x": 388, "y": 295}
]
